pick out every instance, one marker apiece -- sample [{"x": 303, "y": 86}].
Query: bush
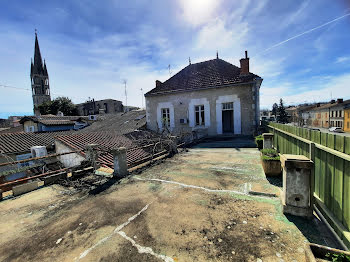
[
  {"x": 259, "y": 141},
  {"x": 270, "y": 154}
]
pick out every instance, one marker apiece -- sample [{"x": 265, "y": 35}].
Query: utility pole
[
  {"x": 142, "y": 96},
  {"x": 126, "y": 95}
]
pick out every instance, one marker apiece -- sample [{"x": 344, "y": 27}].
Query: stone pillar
[
  {"x": 268, "y": 140},
  {"x": 91, "y": 154},
  {"x": 120, "y": 165},
  {"x": 296, "y": 197}
]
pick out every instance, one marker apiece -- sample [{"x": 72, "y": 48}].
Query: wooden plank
[
  {"x": 324, "y": 137},
  {"x": 331, "y": 141},
  {"x": 347, "y": 145},
  {"x": 317, "y": 171},
  {"x": 330, "y": 165},
  {"x": 338, "y": 188},
  {"x": 346, "y": 196},
  {"x": 339, "y": 143},
  {"x": 328, "y": 187},
  {"x": 323, "y": 161}
]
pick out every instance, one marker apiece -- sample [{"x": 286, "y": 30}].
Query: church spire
[{"x": 38, "y": 61}]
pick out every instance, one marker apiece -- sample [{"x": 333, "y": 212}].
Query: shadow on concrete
[
  {"x": 315, "y": 231},
  {"x": 275, "y": 180},
  {"x": 236, "y": 142},
  {"x": 103, "y": 187}
]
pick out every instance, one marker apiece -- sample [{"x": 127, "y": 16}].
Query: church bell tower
[{"x": 39, "y": 79}]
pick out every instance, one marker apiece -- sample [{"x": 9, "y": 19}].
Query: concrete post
[
  {"x": 297, "y": 185},
  {"x": 120, "y": 165},
  {"x": 91, "y": 154},
  {"x": 268, "y": 140}
]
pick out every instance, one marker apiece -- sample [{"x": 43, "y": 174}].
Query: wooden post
[
  {"x": 120, "y": 164},
  {"x": 91, "y": 154},
  {"x": 312, "y": 150}
]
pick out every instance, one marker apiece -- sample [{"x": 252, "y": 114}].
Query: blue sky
[{"x": 91, "y": 46}]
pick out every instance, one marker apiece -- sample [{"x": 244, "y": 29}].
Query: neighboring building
[
  {"x": 105, "y": 140},
  {"x": 211, "y": 97},
  {"x": 130, "y": 108},
  {"x": 17, "y": 146},
  {"x": 347, "y": 118},
  {"x": 266, "y": 115},
  {"x": 51, "y": 123},
  {"x": 106, "y": 106},
  {"x": 336, "y": 112},
  {"x": 39, "y": 79},
  {"x": 319, "y": 115},
  {"x": 121, "y": 123}
]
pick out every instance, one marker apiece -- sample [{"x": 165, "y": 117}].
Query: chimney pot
[
  {"x": 245, "y": 64},
  {"x": 158, "y": 83}
]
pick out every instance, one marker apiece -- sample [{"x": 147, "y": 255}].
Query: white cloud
[
  {"x": 314, "y": 91},
  {"x": 342, "y": 59},
  {"x": 198, "y": 12}
]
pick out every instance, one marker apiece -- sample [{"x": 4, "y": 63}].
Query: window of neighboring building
[
  {"x": 341, "y": 124},
  {"x": 227, "y": 106},
  {"x": 348, "y": 124},
  {"x": 199, "y": 112},
  {"x": 166, "y": 116},
  {"x": 348, "y": 114}
]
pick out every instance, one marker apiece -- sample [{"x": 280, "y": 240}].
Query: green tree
[
  {"x": 274, "y": 110},
  {"x": 63, "y": 104},
  {"x": 282, "y": 114}
]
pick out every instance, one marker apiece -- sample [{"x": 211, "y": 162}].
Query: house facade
[
  {"x": 106, "y": 106},
  {"x": 336, "y": 113},
  {"x": 51, "y": 123},
  {"x": 347, "y": 118},
  {"x": 212, "y": 98}
]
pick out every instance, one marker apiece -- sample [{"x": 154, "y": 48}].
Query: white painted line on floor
[
  {"x": 146, "y": 250},
  {"x": 116, "y": 230},
  {"x": 192, "y": 186}
]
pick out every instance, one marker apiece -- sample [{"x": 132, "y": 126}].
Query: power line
[
  {"x": 306, "y": 32},
  {"x": 28, "y": 89}
]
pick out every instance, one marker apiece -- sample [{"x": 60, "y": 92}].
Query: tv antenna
[
  {"x": 141, "y": 97},
  {"x": 126, "y": 95}
]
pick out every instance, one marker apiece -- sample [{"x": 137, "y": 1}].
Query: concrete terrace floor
[{"x": 194, "y": 206}]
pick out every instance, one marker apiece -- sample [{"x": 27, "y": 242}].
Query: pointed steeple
[
  {"x": 38, "y": 62},
  {"x": 45, "y": 69}
]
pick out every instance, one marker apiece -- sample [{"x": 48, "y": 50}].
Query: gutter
[{"x": 205, "y": 88}]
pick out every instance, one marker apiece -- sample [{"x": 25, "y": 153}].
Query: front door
[{"x": 227, "y": 117}]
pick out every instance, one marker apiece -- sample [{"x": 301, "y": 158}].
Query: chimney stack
[
  {"x": 245, "y": 64},
  {"x": 158, "y": 83},
  {"x": 340, "y": 100}
]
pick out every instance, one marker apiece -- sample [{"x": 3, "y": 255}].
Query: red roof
[
  {"x": 11, "y": 143},
  {"x": 106, "y": 142}
]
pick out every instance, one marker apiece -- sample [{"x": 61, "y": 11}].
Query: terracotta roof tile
[
  {"x": 22, "y": 142},
  {"x": 209, "y": 74},
  {"x": 106, "y": 142}
]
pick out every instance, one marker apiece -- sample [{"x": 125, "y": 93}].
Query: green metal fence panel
[
  {"x": 332, "y": 173},
  {"x": 347, "y": 145},
  {"x": 339, "y": 143},
  {"x": 331, "y": 141},
  {"x": 324, "y": 137},
  {"x": 317, "y": 171},
  {"x": 322, "y": 174},
  {"x": 329, "y": 180},
  {"x": 346, "y": 196},
  {"x": 338, "y": 188}
]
